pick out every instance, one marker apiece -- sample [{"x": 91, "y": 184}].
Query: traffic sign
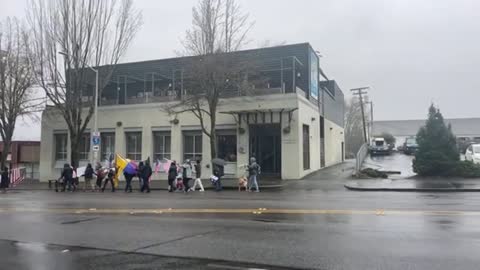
[
  {"x": 96, "y": 138},
  {"x": 96, "y": 148}
]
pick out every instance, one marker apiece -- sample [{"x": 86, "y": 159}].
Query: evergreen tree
[{"x": 437, "y": 153}]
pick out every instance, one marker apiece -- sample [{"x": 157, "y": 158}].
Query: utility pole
[
  {"x": 371, "y": 117},
  {"x": 360, "y": 92}
]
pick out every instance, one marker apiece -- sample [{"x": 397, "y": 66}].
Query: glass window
[
  {"x": 107, "y": 145},
  {"x": 134, "y": 145},
  {"x": 476, "y": 149},
  {"x": 227, "y": 146},
  {"x": 84, "y": 147},
  {"x": 60, "y": 146},
  {"x": 161, "y": 145},
  {"x": 306, "y": 147},
  {"x": 192, "y": 146}
]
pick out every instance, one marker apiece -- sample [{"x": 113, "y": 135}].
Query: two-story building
[{"x": 292, "y": 122}]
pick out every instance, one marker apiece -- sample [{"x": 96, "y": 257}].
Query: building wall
[
  {"x": 150, "y": 117},
  {"x": 334, "y": 136},
  {"x": 308, "y": 115}
]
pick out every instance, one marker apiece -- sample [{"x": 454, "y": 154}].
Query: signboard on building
[{"x": 313, "y": 75}]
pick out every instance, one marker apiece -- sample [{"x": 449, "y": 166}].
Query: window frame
[
  {"x": 103, "y": 143},
  {"x": 163, "y": 154},
  {"x": 226, "y": 132},
  {"x": 137, "y": 154},
  {"x": 56, "y": 152},
  {"x": 194, "y": 155},
  {"x": 84, "y": 147}
]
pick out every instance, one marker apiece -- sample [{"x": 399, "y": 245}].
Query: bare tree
[
  {"x": 218, "y": 27},
  {"x": 88, "y": 33},
  {"x": 353, "y": 126},
  {"x": 17, "y": 97}
]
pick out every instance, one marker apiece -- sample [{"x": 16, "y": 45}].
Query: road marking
[
  {"x": 255, "y": 211},
  {"x": 224, "y": 266}
]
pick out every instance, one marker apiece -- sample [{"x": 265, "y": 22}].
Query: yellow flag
[{"x": 120, "y": 164}]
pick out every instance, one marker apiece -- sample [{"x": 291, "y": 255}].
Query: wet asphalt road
[{"x": 310, "y": 224}]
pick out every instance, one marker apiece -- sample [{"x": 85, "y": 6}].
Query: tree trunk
[
  {"x": 74, "y": 144},
  {"x": 6, "y": 148},
  {"x": 213, "y": 134}
]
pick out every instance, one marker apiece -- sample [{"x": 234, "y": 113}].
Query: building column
[
  {"x": 243, "y": 147},
  {"x": 120, "y": 147},
  {"x": 147, "y": 143},
  {"x": 176, "y": 142}
]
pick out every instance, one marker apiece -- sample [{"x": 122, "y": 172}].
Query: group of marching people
[{"x": 179, "y": 177}]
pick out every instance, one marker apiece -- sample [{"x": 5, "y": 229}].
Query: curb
[
  {"x": 268, "y": 187},
  {"x": 412, "y": 189}
]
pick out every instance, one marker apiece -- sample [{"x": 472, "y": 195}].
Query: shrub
[
  {"x": 467, "y": 169},
  {"x": 437, "y": 153}
]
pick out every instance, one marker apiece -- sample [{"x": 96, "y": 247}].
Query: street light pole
[{"x": 95, "y": 108}]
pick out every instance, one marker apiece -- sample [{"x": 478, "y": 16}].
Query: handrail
[{"x": 360, "y": 157}]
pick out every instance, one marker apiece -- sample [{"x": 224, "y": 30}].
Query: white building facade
[{"x": 289, "y": 129}]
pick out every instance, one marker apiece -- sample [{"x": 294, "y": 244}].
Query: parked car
[
  {"x": 380, "y": 147},
  {"x": 410, "y": 146},
  {"x": 400, "y": 148},
  {"x": 473, "y": 153}
]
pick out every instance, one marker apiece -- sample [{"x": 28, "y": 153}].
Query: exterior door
[{"x": 265, "y": 146}]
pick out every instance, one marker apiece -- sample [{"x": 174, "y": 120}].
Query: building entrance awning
[{"x": 261, "y": 115}]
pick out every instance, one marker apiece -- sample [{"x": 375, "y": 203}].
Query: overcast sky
[{"x": 410, "y": 53}]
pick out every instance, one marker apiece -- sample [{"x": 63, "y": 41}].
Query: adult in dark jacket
[
  {"x": 145, "y": 172},
  {"x": 67, "y": 175},
  {"x": 110, "y": 176},
  {"x": 172, "y": 175},
  {"x": 88, "y": 178},
  {"x": 128, "y": 180},
  {"x": 5, "y": 181}
]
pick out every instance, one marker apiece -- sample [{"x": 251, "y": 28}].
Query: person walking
[
  {"x": 111, "y": 174},
  {"x": 100, "y": 172},
  {"x": 145, "y": 172},
  {"x": 218, "y": 173},
  {"x": 187, "y": 174},
  {"x": 172, "y": 175},
  {"x": 5, "y": 181},
  {"x": 88, "y": 178},
  {"x": 67, "y": 175},
  {"x": 253, "y": 172},
  {"x": 198, "y": 174},
  {"x": 128, "y": 180}
]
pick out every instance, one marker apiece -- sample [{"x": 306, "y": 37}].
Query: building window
[
  {"x": 84, "y": 147},
  {"x": 161, "y": 145},
  {"x": 192, "y": 146},
  {"x": 134, "y": 145},
  {"x": 227, "y": 145},
  {"x": 107, "y": 145},
  {"x": 60, "y": 146},
  {"x": 306, "y": 147}
]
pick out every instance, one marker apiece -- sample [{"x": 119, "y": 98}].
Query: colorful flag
[{"x": 120, "y": 164}]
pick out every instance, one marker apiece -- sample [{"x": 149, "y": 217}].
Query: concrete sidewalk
[
  {"x": 229, "y": 183},
  {"x": 435, "y": 185}
]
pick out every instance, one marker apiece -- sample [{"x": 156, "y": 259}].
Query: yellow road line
[{"x": 255, "y": 211}]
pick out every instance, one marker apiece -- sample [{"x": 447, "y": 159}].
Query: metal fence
[{"x": 360, "y": 157}]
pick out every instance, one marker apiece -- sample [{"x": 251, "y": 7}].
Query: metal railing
[{"x": 360, "y": 157}]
